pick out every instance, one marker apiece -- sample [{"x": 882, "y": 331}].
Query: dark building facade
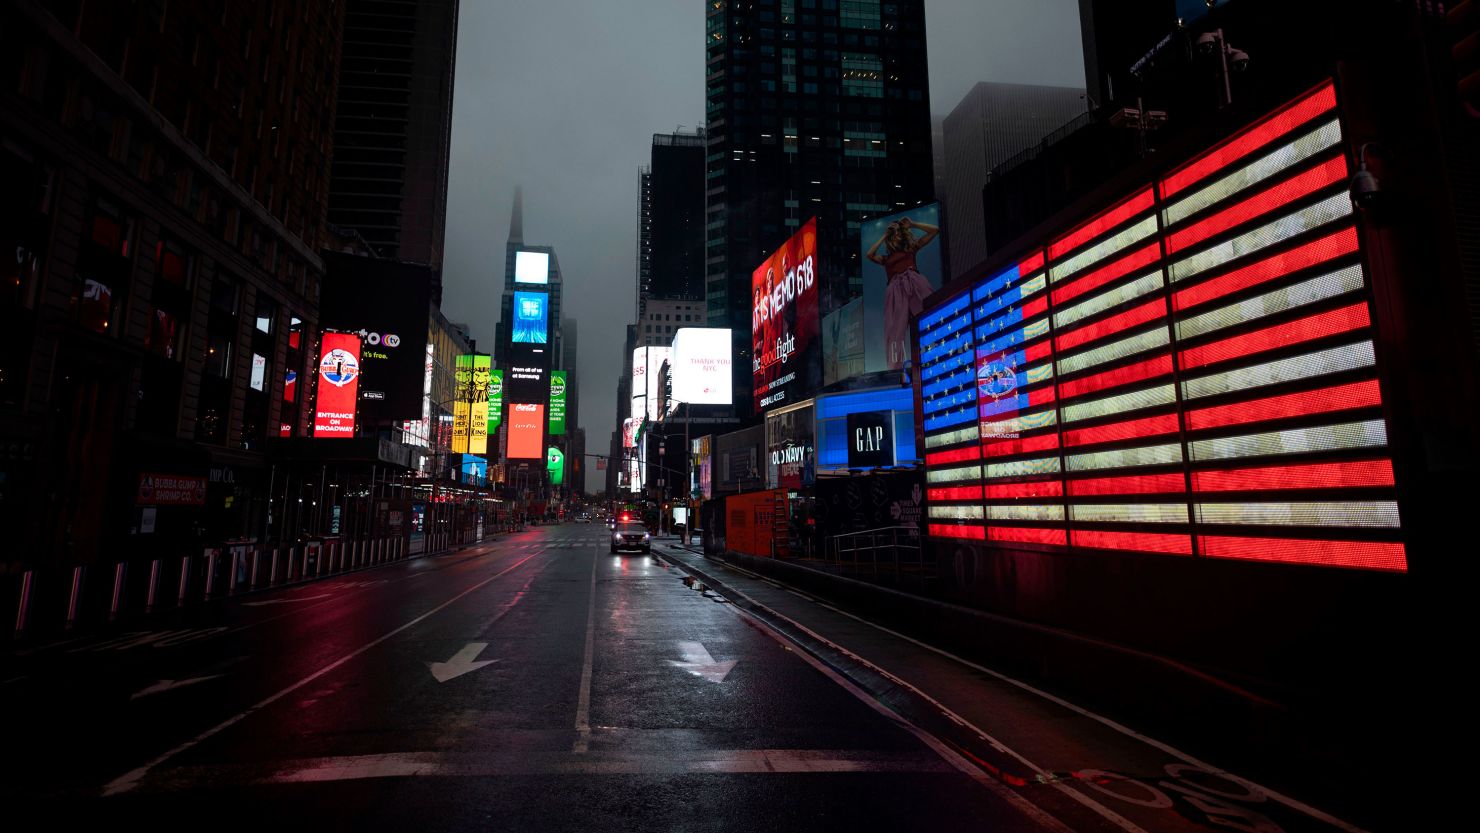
[
  {"x": 814, "y": 109},
  {"x": 393, "y": 128},
  {"x": 992, "y": 123},
  {"x": 671, "y": 219},
  {"x": 165, "y": 171}
]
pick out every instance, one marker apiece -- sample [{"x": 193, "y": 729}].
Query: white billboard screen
[
  {"x": 701, "y": 366},
  {"x": 531, "y": 267}
]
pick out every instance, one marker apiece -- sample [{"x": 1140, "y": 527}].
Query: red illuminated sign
[
  {"x": 170, "y": 490},
  {"x": 784, "y": 322},
  {"x": 338, "y": 385},
  {"x": 526, "y": 431},
  {"x": 1190, "y": 371}
]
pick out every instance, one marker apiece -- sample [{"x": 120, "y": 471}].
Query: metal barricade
[{"x": 892, "y": 552}]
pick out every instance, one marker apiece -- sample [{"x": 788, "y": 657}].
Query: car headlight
[
  {"x": 616, "y": 539},
  {"x": 646, "y": 536}
]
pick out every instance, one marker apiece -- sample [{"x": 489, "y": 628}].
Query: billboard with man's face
[{"x": 786, "y": 364}]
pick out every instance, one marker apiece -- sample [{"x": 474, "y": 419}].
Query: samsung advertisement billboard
[
  {"x": 531, "y": 318},
  {"x": 786, "y": 364}
]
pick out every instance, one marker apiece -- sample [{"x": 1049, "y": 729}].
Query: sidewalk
[{"x": 1083, "y": 767}]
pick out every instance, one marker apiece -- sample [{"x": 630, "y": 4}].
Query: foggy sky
[{"x": 563, "y": 96}]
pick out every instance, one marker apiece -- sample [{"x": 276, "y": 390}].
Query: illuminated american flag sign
[{"x": 1190, "y": 372}]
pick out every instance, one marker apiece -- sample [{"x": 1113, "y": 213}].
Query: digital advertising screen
[
  {"x": 1190, "y": 371},
  {"x": 786, "y": 364},
  {"x": 338, "y": 385},
  {"x": 700, "y": 362},
  {"x": 532, "y": 267},
  {"x": 557, "y": 402},
  {"x": 555, "y": 465},
  {"x": 386, "y": 303},
  {"x": 901, "y": 268},
  {"x": 462, "y": 404},
  {"x": 478, "y": 405},
  {"x": 495, "y": 399},
  {"x": 526, "y": 431},
  {"x": 531, "y": 318}
]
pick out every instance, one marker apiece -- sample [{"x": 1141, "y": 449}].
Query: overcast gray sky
[{"x": 563, "y": 96}]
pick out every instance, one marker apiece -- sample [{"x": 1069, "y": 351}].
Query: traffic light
[{"x": 1464, "y": 24}]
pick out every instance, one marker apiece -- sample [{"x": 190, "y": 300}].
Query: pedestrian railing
[
  {"x": 41, "y": 601},
  {"x": 890, "y": 553}
]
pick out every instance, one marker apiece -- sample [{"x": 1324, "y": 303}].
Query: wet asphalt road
[{"x": 535, "y": 683}]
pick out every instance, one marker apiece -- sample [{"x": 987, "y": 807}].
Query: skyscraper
[
  {"x": 393, "y": 129},
  {"x": 815, "y": 109},
  {"x": 671, "y": 219},
  {"x": 162, "y": 181},
  {"x": 992, "y": 123}
]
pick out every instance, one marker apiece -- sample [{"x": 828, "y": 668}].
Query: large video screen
[
  {"x": 526, "y": 431},
  {"x": 901, "y": 268},
  {"x": 531, "y": 318},
  {"x": 338, "y": 385},
  {"x": 700, "y": 362},
  {"x": 786, "y": 363},
  {"x": 1188, "y": 372},
  {"x": 386, "y": 303},
  {"x": 532, "y": 267}
]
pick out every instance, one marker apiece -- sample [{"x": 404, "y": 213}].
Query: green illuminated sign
[{"x": 557, "y": 402}]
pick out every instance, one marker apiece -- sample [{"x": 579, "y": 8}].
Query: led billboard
[
  {"x": 1190, "y": 371},
  {"x": 557, "y": 402},
  {"x": 700, "y": 363},
  {"x": 386, "y": 303},
  {"x": 338, "y": 385},
  {"x": 647, "y": 381},
  {"x": 478, "y": 402},
  {"x": 526, "y": 431},
  {"x": 555, "y": 465},
  {"x": 495, "y": 399},
  {"x": 462, "y": 404},
  {"x": 786, "y": 366},
  {"x": 531, "y": 267},
  {"x": 901, "y": 268},
  {"x": 531, "y": 318}
]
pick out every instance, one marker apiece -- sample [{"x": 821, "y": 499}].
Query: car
[{"x": 629, "y": 535}]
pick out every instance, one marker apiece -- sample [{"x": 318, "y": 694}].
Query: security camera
[
  {"x": 1364, "y": 188},
  {"x": 1238, "y": 59},
  {"x": 1207, "y": 43}
]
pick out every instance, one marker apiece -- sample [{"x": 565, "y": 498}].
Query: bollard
[
  {"x": 256, "y": 566},
  {"x": 152, "y": 595},
  {"x": 272, "y": 569},
  {"x": 119, "y": 571},
  {"x": 23, "y": 609},
  {"x": 74, "y": 597},
  {"x": 231, "y": 578},
  {"x": 210, "y": 574},
  {"x": 184, "y": 578}
]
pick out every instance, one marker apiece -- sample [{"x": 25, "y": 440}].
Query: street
[{"x": 537, "y": 683}]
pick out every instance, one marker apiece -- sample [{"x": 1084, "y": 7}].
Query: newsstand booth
[{"x": 1175, "y": 418}]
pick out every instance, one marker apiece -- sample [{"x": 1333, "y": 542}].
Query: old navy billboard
[
  {"x": 338, "y": 385},
  {"x": 786, "y": 366}
]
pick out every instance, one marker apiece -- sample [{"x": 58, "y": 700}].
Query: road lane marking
[
  {"x": 583, "y": 704},
  {"x": 435, "y": 764},
  {"x": 461, "y": 663},
  {"x": 129, "y": 780},
  {"x": 286, "y": 601},
  {"x": 170, "y": 685},
  {"x": 697, "y": 661}
]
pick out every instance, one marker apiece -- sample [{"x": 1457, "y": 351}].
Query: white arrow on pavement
[
  {"x": 170, "y": 685},
  {"x": 287, "y": 601},
  {"x": 461, "y": 663},
  {"x": 697, "y": 661}
]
